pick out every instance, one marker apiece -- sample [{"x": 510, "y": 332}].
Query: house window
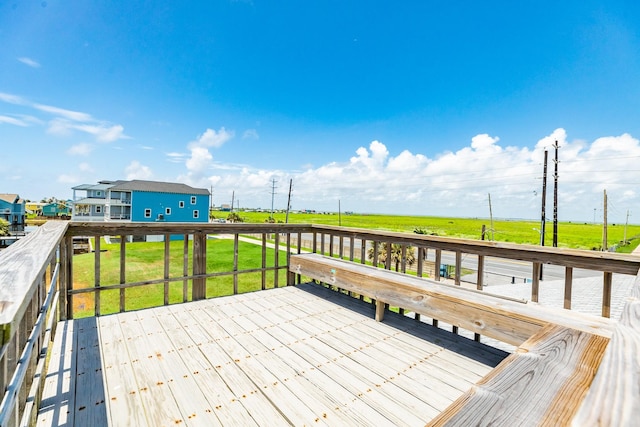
[
  {"x": 147, "y": 213},
  {"x": 193, "y": 200},
  {"x": 181, "y": 204},
  {"x": 167, "y": 211},
  {"x": 196, "y": 214},
  {"x": 98, "y": 209}
]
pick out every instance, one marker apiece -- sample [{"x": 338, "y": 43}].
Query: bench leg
[{"x": 379, "y": 310}]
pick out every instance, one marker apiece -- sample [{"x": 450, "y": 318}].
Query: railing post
[
  {"x": 315, "y": 242},
  {"x": 264, "y": 262},
  {"x": 96, "y": 294},
  {"x": 66, "y": 253},
  {"x": 438, "y": 261},
  {"x": 387, "y": 261},
  {"x": 403, "y": 259},
  {"x": 199, "y": 284},
  {"x": 568, "y": 279},
  {"x": 375, "y": 253},
  {"x": 535, "y": 281},
  {"x": 185, "y": 268},
  {"x": 167, "y": 260},
  {"x": 458, "y": 272},
  {"x": 606, "y": 294},
  {"x": 276, "y": 260},
  {"x": 479, "y": 285},
  {"x": 123, "y": 275},
  {"x": 236, "y": 243}
]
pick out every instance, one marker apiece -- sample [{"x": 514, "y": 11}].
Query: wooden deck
[{"x": 298, "y": 355}]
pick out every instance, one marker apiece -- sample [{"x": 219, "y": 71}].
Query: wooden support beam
[
  {"x": 568, "y": 282},
  {"x": 199, "y": 284},
  {"x": 379, "y": 310},
  {"x": 606, "y": 294}
]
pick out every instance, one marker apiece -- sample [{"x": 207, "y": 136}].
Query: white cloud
[
  {"x": 483, "y": 141},
  {"x": 30, "y": 62},
  {"x": 85, "y": 167},
  {"x": 64, "y": 122},
  {"x": 250, "y": 134},
  {"x": 211, "y": 138},
  {"x": 453, "y": 183},
  {"x": 102, "y": 131},
  {"x": 13, "y": 121},
  {"x": 82, "y": 149},
  {"x": 67, "y": 114},
  {"x": 136, "y": 170},
  {"x": 200, "y": 159},
  {"x": 67, "y": 179}
]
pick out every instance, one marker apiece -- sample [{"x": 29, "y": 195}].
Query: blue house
[
  {"x": 12, "y": 210},
  {"x": 140, "y": 201}
]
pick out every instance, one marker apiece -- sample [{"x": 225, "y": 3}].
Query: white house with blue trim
[{"x": 140, "y": 201}]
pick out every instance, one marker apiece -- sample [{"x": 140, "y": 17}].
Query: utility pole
[
  {"x": 543, "y": 220},
  {"x": 490, "y": 218},
  {"x": 289, "y": 201},
  {"x": 555, "y": 199},
  {"x": 339, "y": 214},
  {"x": 233, "y": 196},
  {"x": 210, "y": 204},
  {"x": 273, "y": 194},
  {"x": 604, "y": 224},
  {"x": 626, "y": 223}
]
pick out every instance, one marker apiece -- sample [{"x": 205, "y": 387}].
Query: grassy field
[
  {"x": 572, "y": 235},
  {"x": 145, "y": 262}
]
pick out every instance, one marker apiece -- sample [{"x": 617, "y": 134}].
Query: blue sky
[{"x": 416, "y": 107}]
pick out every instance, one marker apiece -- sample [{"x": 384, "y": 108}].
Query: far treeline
[{"x": 579, "y": 235}]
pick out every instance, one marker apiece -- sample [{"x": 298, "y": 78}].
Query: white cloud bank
[{"x": 451, "y": 183}]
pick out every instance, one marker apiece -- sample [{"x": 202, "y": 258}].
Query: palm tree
[{"x": 396, "y": 254}]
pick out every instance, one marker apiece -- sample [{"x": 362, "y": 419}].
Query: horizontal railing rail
[{"x": 342, "y": 242}]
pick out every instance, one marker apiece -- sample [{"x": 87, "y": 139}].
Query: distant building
[
  {"x": 140, "y": 201},
  {"x": 12, "y": 210},
  {"x": 34, "y": 208},
  {"x": 56, "y": 209}
]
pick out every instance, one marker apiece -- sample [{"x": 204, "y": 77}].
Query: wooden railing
[
  {"x": 29, "y": 275},
  {"x": 33, "y": 269}
]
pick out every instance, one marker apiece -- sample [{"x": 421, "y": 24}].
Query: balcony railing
[{"x": 39, "y": 283}]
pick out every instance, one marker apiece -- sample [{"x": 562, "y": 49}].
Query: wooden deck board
[
  {"x": 58, "y": 396},
  {"x": 288, "y": 356}
]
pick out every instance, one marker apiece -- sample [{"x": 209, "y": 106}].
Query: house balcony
[{"x": 299, "y": 326}]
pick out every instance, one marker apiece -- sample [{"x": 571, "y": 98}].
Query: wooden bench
[{"x": 543, "y": 382}]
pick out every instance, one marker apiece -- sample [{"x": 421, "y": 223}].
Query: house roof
[
  {"x": 10, "y": 197},
  {"x": 158, "y": 187}
]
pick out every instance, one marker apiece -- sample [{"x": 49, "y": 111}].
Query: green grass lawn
[{"x": 145, "y": 261}]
